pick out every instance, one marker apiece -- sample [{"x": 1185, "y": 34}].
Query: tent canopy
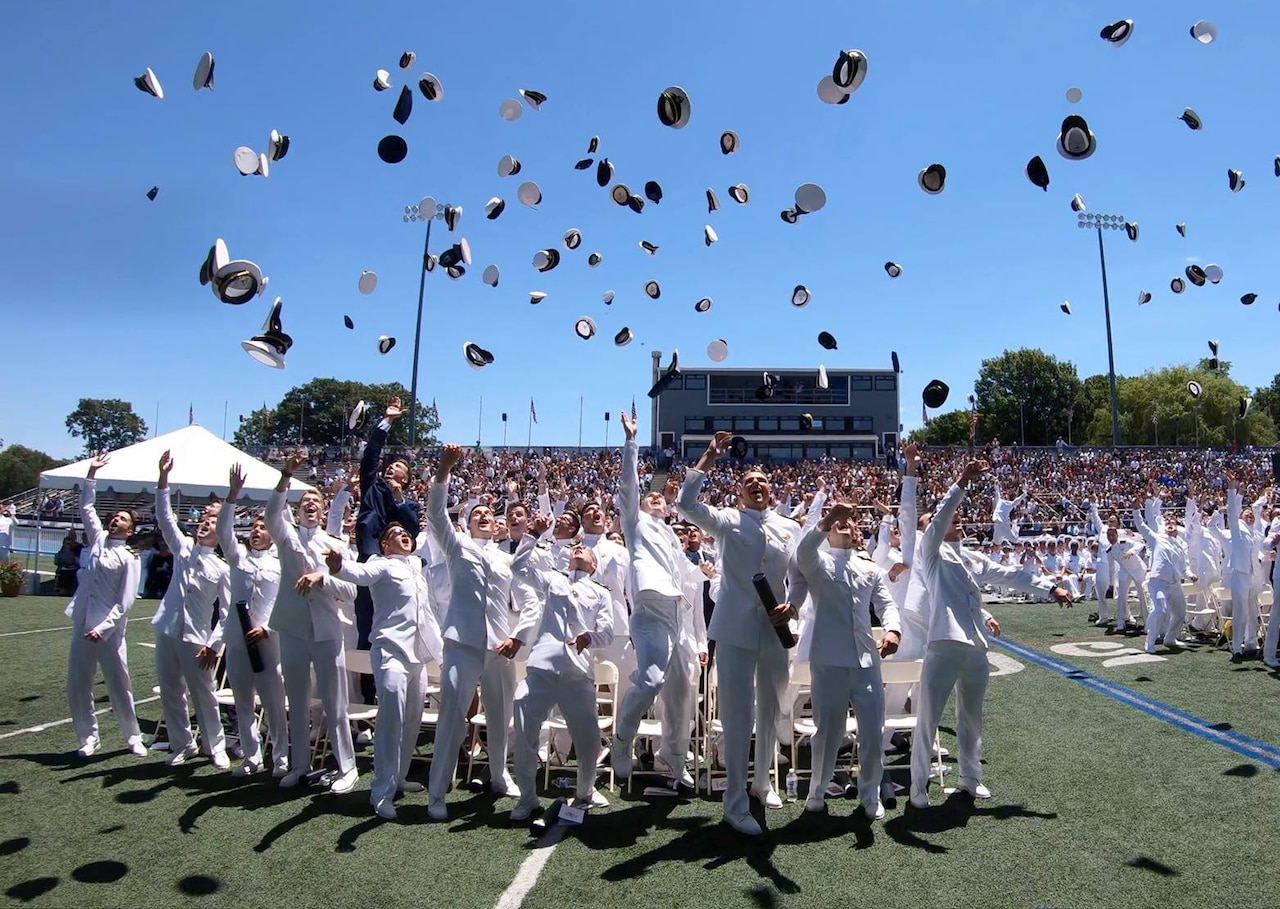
[{"x": 201, "y": 464}]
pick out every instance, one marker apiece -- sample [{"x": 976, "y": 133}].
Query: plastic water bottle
[{"x": 793, "y": 785}]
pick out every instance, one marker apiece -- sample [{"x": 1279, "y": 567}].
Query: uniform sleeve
[
  {"x": 281, "y": 530},
  {"x": 89, "y": 514},
  {"x": 908, "y": 518},
  {"x": 602, "y": 634},
  {"x": 628, "y": 487},
  {"x": 884, "y": 606},
  {"x": 438, "y": 525},
  {"x": 226, "y": 534},
  {"x": 337, "y": 511},
  {"x": 220, "y": 604},
  {"x": 173, "y": 536},
  {"x": 361, "y": 574},
  {"x": 715, "y": 521},
  {"x": 524, "y": 571}
]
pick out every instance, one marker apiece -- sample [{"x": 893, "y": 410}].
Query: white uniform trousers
[
  {"x": 110, "y": 653},
  {"x": 948, "y": 665},
  {"x": 833, "y": 688},
  {"x": 463, "y": 667},
  {"x": 297, "y": 656},
  {"x": 915, "y": 634},
  {"x": 268, "y": 688},
  {"x": 575, "y": 695},
  {"x": 1244, "y": 612},
  {"x": 677, "y": 706},
  {"x": 653, "y": 634},
  {"x": 752, "y": 684},
  {"x": 1203, "y": 583},
  {"x": 1168, "y": 612},
  {"x": 1104, "y": 583},
  {"x": 1002, "y": 532},
  {"x": 400, "y": 703},
  {"x": 179, "y": 672},
  {"x": 1089, "y": 587},
  {"x": 1124, "y": 580}
]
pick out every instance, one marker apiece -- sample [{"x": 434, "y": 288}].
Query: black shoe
[{"x": 1093, "y": 617}]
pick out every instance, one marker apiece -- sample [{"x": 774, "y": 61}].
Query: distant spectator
[{"x": 66, "y": 565}]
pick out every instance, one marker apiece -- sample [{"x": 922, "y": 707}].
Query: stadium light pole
[
  {"x": 427, "y": 210},
  {"x": 1100, "y": 222}
]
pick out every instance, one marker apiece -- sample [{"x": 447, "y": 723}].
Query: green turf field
[{"x": 1096, "y": 805}]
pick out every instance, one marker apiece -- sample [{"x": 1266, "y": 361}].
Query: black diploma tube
[
  {"x": 770, "y": 603},
  {"x": 255, "y": 658}
]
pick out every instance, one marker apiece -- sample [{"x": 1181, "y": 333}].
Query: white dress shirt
[
  {"x": 566, "y": 606},
  {"x": 1168, "y": 554},
  {"x": 403, "y": 622},
  {"x": 194, "y": 607},
  {"x": 613, "y": 566},
  {"x": 845, "y": 586},
  {"x": 109, "y": 585},
  {"x": 479, "y": 613},
  {"x": 320, "y": 614},
  {"x": 656, "y": 558}
]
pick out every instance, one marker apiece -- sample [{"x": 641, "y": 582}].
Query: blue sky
[{"x": 101, "y": 291}]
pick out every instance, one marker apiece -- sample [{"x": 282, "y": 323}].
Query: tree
[
  {"x": 316, "y": 414},
  {"x": 1156, "y": 407},
  {"x": 105, "y": 424},
  {"x": 951, "y": 428},
  {"x": 1025, "y": 396},
  {"x": 20, "y": 469},
  {"x": 1267, "y": 399}
]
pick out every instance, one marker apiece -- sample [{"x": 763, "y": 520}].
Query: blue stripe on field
[{"x": 1261, "y": 752}]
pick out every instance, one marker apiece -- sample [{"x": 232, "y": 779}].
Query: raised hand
[
  {"x": 628, "y": 425},
  {"x": 97, "y": 463},
  {"x": 972, "y": 471},
  {"x": 450, "y": 455},
  {"x": 541, "y": 524},
  {"x": 236, "y": 480},
  {"x": 393, "y": 409},
  {"x": 292, "y": 462},
  {"x": 166, "y": 465},
  {"x": 720, "y": 443},
  {"x": 840, "y": 511}
]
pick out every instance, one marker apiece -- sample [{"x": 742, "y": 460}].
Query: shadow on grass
[
  {"x": 29, "y": 890},
  {"x": 16, "y": 844},
  {"x": 1143, "y": 863},
  {"x": 199, "y": 885},
  {"x": 105, "y": 872},
  {"x": 953, "y": 813},
  {"x": 1244, "y": 770}
]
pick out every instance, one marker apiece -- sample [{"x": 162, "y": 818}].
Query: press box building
[{"x": 855, "y": 417}]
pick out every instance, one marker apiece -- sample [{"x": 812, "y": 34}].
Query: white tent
[{"x": 201, "y": 463}]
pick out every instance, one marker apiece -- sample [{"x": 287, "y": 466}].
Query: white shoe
[
  {"x": 1150, "y": 648},
  {"x": 90, "y": 747},
  {"x": 220, "y": 760},
  {"x": 621, "y": 759},
  {"x": 523, "y": 810},
  {"x": 876, "y": 813},
  {"x": 680, "y": 775},
  {"x": 280, "y": 770},
  {"x": 384, "y": 809},
  {"x": 410, "y": 786},
  {"x": 346, "y": 782},
  {"x": 767, "y": 796},
  {"x": 364, "y": 737},
  {"x": 974, "y": 788},
  {"x": 137, "y": 749},
  {"x": 815, "y": 804},
  {"x": 505, "y": 785},
  {"x": 743, "y": 823},
  {"x": 437, "y": 811},
  {"x": 178, "y": 758},
  {"x": 595, "y": 800},
  {"x": 246, "y": 769},
  {"x": 290, "y": 779}
]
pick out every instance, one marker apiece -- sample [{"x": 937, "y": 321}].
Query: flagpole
[
  {"x": 606, "y": 429},
  {"x": 579, "y": 421},
  {"x": 225, "y": 404},
  {"x": 529, "y": 442},
  {"x": 155, "y": 427},
  {"x": 480, "y": 420}
]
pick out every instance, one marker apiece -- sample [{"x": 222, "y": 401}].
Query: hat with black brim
[
  {"x": 532, "y": 98},
  {"x": 546, "y": 259},
  {"x": 604, "y": 174},
  {"x": 1235, "y": 180},
  {"x": 348, "y": 323},
  {"x": 935, "y": 394},
  {"x": 476, "y": 355},
  {"x": 1076, "y": 141},
  {"x": 1077, "y": 203},
  {"x": 508, "y": 165},
  {"x": 718, "y": 350},
  {"x": 623, "y": 337},
  {"x": 493, "y": 208},
  {"x": 1248, "y": 299},
  {"x": 1213, "y": 273},
  {"x": 529, "y": 194},
  {"x": 270, "y": 347},
  {"x": 830, "y": 93},
  {"x": 594, "y": 259},
  {"x": 1204, "y": 31},
  {"x": 709, "y": 235},
  {"x": 620, "y": 194},
  {"x": 739, "y": 193},
  {"x": 668, "y": 375},
  {"x": 490, "y": 275},
  {"x": 404, "y": 106},
  {"x": 572, "y": 238},
  {"x": 932, "y": 179},
  {"x": 674, "y": 107},
  {"x": 607, "y": 298},
  {"x": 1195, "y": 274},
  {"x": 277, "y": 145},
  {"x": 1191, "y": 118},
  {"x": 652, "y": 290},
  {"x": 382, "y": 80},
  {"x": 703, "y": 305},
  {"x": 407, "y": 59},
  {"x": 800, "y": 296},
  {"x": 149, "y": 83},
  {"x": 204, "y": 72},
  {"x": 827, "y": 340},
  {"x": 368, "y": 282},
  {"x": 653, "y": 192},
  {"x": 510, "y": 109},
  {"x": 739, "y": 448},
  {"x": 1038, "y": 173},
  {"x": 357, "y": 415},
  {"x": 713, "y": 204},
  {"x": 892, "y": 269},
  {"x": 246, "y": 160},
  {"x": 585, "y": 328},
  {"x": 433, "y": 89},
  {"x": 237, "y": 282},
  {"x": 385, "y": 343},
  {"x": 728, "y": 142},
  {"x": 1065, "y": 306},
  {"x": 849, "y": 70},
  {"x": 810, "y": 198},
  {"x": 1193, "y": 388},
  {"x": 1177, "y": 285},
  {"x": 153, "y": 192},
  {"x": 1117, "y": 33}
]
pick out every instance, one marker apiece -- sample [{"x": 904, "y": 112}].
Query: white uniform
[
  {"x": 403, "y": 638},
  {"x": 479, "y": 618},
  {"x": 311, "y": 628},
  {"x": 191, "y": 616},
  {"x": 1164, "y": 580},
  {"x": 957, "y": 653},
  {"x": 559, "y": 675},
  {"x": 613, "y": 567},
  {"x": 255, "y": 581},
  {"x": 691, "y": 644},
  {"x": 749, "y": 656},
  {"x": 6, "y": 535},
  {"x": 1104, "y": 576},
  {"x": 843, "y": 659},
  {"x": 1242, "y": 556},
  {"x": 657, "y": 569},
  {"x": 1127, "y": 568},
  {"x": 1002, "y": 517},
  {"x": 108, "y": 587}
]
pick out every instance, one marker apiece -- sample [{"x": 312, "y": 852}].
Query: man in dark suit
[{"x": 382, "y": 502}]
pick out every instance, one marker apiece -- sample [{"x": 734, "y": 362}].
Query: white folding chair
[
  {"x": 606, "y": 710},
  {"x": 907, "y": 672},
  {"x": 359, "y": 662},
  {"x": 480, "y": 721}
]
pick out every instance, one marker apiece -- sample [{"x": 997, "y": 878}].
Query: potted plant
[{"x": 11, "y": 578}]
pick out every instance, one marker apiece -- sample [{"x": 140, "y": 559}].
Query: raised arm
[
  {"x": 227, "y": 518},
  {"x": 337, "y": 510},
  {"x": 361, "y": 574},
  {"x": 908, "y": 508},
  {"x": 808, "y": 553},
  {"x": 1148, "y": 534},
  {"x": 372, "y": 457},
  {"x": 438, "y": 523},
  {"x": 715, "y": 521},
  {"x": 628, "y": 483},
  {"x": 173, "y": 536},
  {"x": 88, "y": 493},
  {"x": 281, "y": 530}
]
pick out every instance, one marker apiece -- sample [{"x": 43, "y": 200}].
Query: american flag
[
  {"x": 533, "y": 411},
  {"x": 191, "y": 414},
  {"x": 973, "y": 424},
  {"x": 633, "y": 409},
  {"x": 924, "y": 414}
]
